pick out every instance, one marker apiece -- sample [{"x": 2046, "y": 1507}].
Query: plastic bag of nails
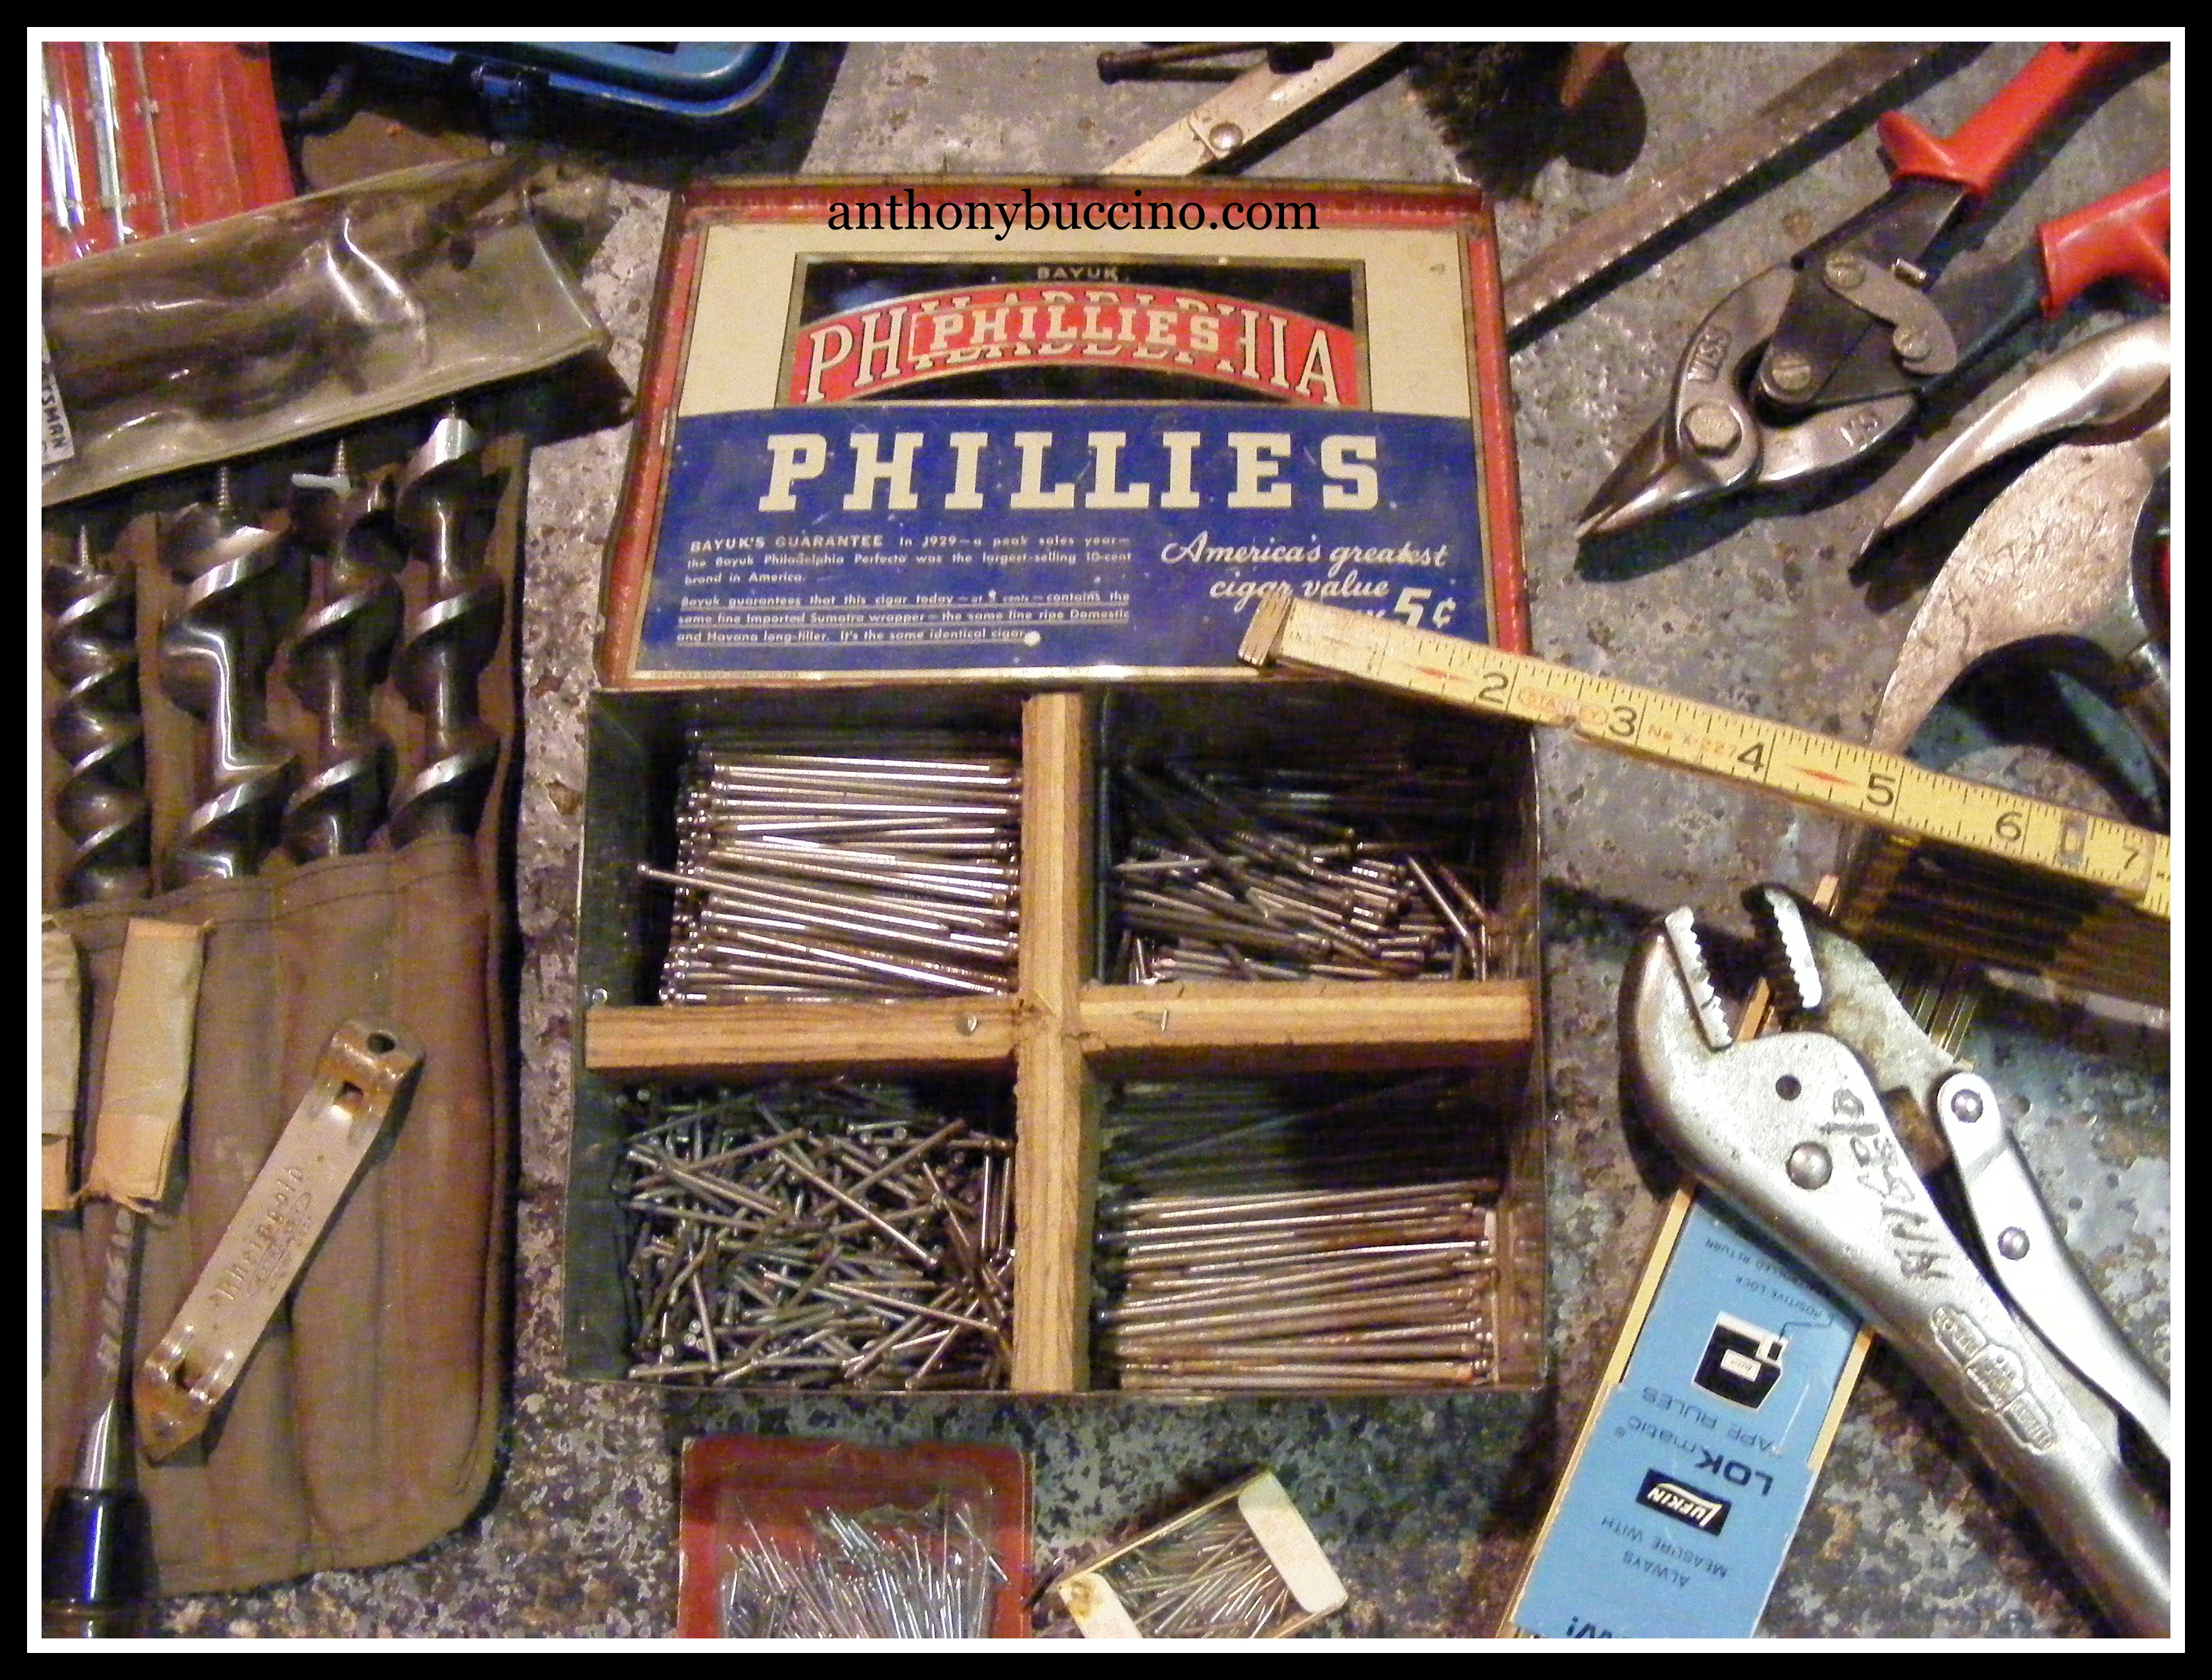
[
  {"x": 1244, "y": 1565},
  {"x": 241, "y": 335},
  {"x": 814, "y": 1539}
]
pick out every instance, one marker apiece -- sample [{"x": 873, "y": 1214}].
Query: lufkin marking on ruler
[{"x": 1832, "y": 775}]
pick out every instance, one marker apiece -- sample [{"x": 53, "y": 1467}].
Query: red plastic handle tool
[
  {"x": 1991, "y": 141},
  {"x": 2124, "y": 236}
]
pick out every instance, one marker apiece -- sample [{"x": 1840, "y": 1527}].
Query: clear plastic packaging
[
  {"x": 320, "y": 312},
  {"x": 1243, "y": 1565},
  {"x": 816, "y": 1539}
]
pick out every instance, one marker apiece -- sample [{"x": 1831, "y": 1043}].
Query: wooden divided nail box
[{"x": 1005, "y": 464}]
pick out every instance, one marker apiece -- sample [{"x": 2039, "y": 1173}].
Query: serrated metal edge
[{"x": 1689, "y": 951}]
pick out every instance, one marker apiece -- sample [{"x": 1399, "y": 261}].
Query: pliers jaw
[
  {"x": 1791, "y": 1130},
  {"x": 1755, "y": 1118},
  {"x": 2100, "y": 382},
  {"x": 1715, "y": 439}
]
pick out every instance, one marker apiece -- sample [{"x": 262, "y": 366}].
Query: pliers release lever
[{"x": 1821, "y": 1137}]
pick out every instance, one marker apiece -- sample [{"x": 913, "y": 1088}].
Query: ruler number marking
[{"x": 1801, "y": 765}]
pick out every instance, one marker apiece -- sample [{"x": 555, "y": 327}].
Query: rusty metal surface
[{"x": 1427, "y": 1506}]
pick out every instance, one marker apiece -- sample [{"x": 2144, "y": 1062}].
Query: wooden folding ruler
[{"x": 2109, "y": 932}]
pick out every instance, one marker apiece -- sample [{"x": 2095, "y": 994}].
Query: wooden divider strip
[
  {"x": 766, "y": 1039},
  {"x": 1055, "y": 1149}
]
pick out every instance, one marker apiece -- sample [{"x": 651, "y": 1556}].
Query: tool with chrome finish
[
  {"x": 443, "y": 505},
  {"x": 2102, "y": 382},
  {"x": 2053, "y": 558},
  {"x": 1821, "y": 1137},
  {"x": 240, "y": 588},
  {"x": 362, "y": 1081},
  {"x": 339, "y": 655},
  {"x": 1812, "y": 364},
  {"x": 2054, "y": 568},
  {"x": 96, "y": 728}
]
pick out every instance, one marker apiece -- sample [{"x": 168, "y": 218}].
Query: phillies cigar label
[{"x": 1025, "y": 430}]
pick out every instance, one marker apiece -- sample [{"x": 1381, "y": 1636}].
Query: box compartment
[{"x": 1064, "y": 1032}]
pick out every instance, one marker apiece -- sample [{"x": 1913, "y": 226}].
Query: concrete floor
[{"x": 1426, "y": 1505}]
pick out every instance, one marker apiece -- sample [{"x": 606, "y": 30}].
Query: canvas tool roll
[{"x": 365, "y": 1425}]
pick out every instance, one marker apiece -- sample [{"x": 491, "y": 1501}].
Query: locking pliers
[{"x": 1823, "y": 1137}]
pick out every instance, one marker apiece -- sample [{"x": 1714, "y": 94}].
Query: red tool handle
[
  {"x": 2124, "y": 235},
  {"x": 1991, "y": 140}
]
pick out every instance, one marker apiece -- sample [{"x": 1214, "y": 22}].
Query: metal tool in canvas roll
[
  {"x": 97, "y": 1552},
  {"x": 361, "y": 1082},
  {"x": 339, "y": 655},
  {"x": 241, "y": 588},
  {"x": 443, "y": 505},
  {"x": 1825, "y": 1137},
  {"x": 2059, "y": 569},
  {"x": 96, "y": 728},
  {"x": 1815, "y": 362}
]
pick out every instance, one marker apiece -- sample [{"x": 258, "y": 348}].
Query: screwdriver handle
[
  {"x": 2121, "y": 236},
  {"x": 1989, "y": 142},
  {"x": 96, "y": 1564}
]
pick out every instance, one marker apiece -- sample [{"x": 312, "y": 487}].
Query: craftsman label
[
  {"x": 1682, "y": 1505},
  {"x": 55, "y": 441}
]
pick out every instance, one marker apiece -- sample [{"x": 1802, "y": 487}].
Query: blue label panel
[
  {"x": 1692, "y": 1485},
  {"x": 1014, "y": 537}
]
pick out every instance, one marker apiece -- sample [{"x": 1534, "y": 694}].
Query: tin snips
[
  {"x": 1815, "y": 363},
  {"x": 1826, "y": 1137},
  {"x": 2059, "y": 558}
]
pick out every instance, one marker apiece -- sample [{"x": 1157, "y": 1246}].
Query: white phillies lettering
[
  {"x": 1264, "y": 473},
  {"x": 898, "y": 473}
]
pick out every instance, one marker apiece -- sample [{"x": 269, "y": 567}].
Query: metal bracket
[
  {"x": 361, "y": 1079},
  {"x": 1256, "y": 102}
]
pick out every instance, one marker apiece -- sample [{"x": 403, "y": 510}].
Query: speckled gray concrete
[{"x": 1426, "y": 1505}]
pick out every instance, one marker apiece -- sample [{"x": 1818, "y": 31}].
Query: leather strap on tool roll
[{"x": 365, "y": 1424}]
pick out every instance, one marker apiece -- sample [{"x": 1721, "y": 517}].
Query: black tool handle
[{"x": 97, "y": 1564}]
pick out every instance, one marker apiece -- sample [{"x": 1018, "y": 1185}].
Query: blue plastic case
[{"x": 693, "y": 87}]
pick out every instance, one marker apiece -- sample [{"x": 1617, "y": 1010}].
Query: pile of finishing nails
[
  {"x": 813, "y": 876},
  {"x": 1344, "y": 873},
  {"x": 1209, "y": 1578},
  {"x": 884, "y": 1573},
  {"x": 817, "y": 1235},
  {"x": 1281, "y": 1235}
]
